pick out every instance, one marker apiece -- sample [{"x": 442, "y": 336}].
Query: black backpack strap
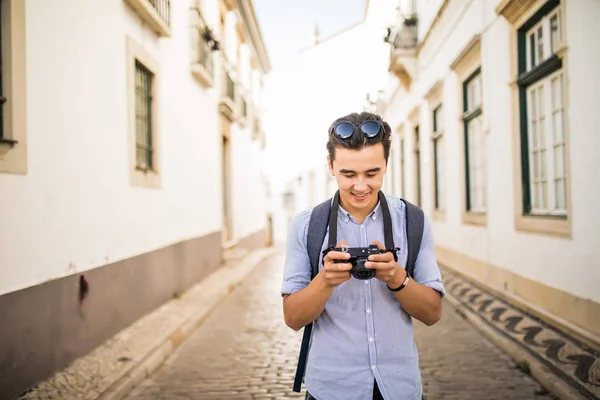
[
  {"x": 387, "y": 223},
  {"x": 415, "y": 220},
  {"x": 317, "y": 229}
]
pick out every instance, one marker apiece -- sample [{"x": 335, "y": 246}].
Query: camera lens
[
  {"x": 364, "y": 274},
  {"x": 360, "y": 272}
]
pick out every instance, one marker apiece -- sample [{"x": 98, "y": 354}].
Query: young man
[{"x": 362, "y": 344}]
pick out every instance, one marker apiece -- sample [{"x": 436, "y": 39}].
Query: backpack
[{"x": 320, "y": 219}]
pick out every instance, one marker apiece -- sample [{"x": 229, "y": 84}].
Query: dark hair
[{"x": 358, "y": 141}]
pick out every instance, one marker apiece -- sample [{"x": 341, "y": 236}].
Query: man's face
[{"x": 359, "y": 175}]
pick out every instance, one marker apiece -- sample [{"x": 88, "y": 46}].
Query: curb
[
  {"x": 130, "y": 379},
  {"x": 538, "y": 370}
]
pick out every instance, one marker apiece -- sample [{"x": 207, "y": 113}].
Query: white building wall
[
  {"x": 248, "y": 188},
  {"x": 248, "y": 191},
  {"x": 560, "y": 263},
  {"x": 76, "y": 209},
  {"x": 339, "y": 73}
]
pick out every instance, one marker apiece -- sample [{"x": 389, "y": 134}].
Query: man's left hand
[{"x": 387, "y": 269}]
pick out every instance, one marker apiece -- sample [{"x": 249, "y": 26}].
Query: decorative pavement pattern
[{"x": 574, "y": 362}]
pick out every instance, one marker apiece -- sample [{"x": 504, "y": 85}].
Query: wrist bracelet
[{"x": 399, "y": 288}]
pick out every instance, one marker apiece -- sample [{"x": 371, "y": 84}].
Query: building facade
[
  {"x": 491, "y": 103},
  {"x": 129, "y": 156},
  {"x": 341, "y": 74}
]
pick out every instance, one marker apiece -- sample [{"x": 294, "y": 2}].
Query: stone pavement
[
  {"x": 564, "y": 365},
  {"x": 113, "y": 369},
  {"x": 243, "y": 350}
]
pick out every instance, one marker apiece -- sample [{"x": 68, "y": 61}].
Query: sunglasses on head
[{"x": 345, "y": 129}]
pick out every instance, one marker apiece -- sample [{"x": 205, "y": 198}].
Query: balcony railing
[
  {"x": 406, "y": 36},
  {"x": 163, "y": 8},
  {"x": 205, "y": 57}
]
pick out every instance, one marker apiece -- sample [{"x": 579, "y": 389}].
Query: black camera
[{"x": 358, "y": 258}]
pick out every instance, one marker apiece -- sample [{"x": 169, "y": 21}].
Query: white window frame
[
  {"x": 13, "y": 144},
  {"x": 476, "y": 151},
  {"x": 547, "y": 49},
  {"x": 523, "y": 18},
  {"x": 138, "y": 177},
  {"x": 437, "y": 136},
  {"x": 543, "y": 174},
  {"x": 402, "y": 167},
  {"x": 548, "y": 204}
]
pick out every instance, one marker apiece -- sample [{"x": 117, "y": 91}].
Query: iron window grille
[{"x": 144, "y": 80}]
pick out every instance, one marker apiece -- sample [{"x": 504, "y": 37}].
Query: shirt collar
[{"x": 373, "y": 215}]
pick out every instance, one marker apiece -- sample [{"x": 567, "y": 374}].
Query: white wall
[
  {"x": 339, "y": 72},
  {"x": 567, "y": 264},
  {"x": 248, "y": 191},
  {"x": 76, "y": 209}
]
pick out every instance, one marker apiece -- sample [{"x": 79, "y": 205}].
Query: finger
[
  {"x": 338, "y": 267},
  {"x": 380, "y": 266},
  {"x": 337, "y": 275},
  {"x": 379, "y": 245},
  {"x": 342, "y": 243},
  {"x": 384, "y": 257},
  {"x": 337, "y": 255}
]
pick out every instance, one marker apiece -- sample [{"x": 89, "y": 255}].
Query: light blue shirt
[{"x": 363, "y": 333}]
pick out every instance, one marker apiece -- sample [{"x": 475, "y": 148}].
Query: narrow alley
[{"x": 244, "y": 350}]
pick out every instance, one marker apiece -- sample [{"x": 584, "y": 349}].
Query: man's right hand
[{"x": 335, "y": 274}]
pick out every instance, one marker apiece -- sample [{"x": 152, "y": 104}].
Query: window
[
  {"x": 392, "y": 168},
  {"x": 417, "y": 161},
  {"x": 402, "y": 169},
  {"x": 13, "y": 102},
  {"x": 2, "y": 98},
  {"x": 475, "y": 144},
  {"x": 143, "y": 117},
  {"x": 144, "y": 129},
  {"x": 438, "y": 159},
  {"x": 542, "y": 126}
]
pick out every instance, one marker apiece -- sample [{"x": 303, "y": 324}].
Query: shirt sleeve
[
  {"x": 296, "y": 273},
  {"x": 427, "y": 272}
]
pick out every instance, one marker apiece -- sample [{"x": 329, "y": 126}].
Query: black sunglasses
[{"x": 345, "y": 129}]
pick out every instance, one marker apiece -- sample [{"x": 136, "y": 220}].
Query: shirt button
[
  {"x": 373, "y": 367},
  {"x": 370, "y": 339},
  {"x": 366, "y": 282},
  {"x": 368, "y": 311},
  {"x": 362, "y": 227}
]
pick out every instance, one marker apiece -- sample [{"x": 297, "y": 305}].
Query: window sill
[
  {"x": 145, "y": 178},
  {"x": 226, "y": 107},
  {"x": 202, "y": 75},
  {"x": 8, "y": 142},
  {"x": 474, "y": 218},
  {"x": 13, "y": 156},
  {"x": 557, "y": 226}
]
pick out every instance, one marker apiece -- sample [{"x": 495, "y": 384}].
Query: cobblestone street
[{"x": 244, "y": 351}]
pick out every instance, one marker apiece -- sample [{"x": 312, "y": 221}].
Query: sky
[{"x": 286, "y": 29}]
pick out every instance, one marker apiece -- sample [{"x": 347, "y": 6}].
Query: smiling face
[{"x": 359, "y": 175}]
